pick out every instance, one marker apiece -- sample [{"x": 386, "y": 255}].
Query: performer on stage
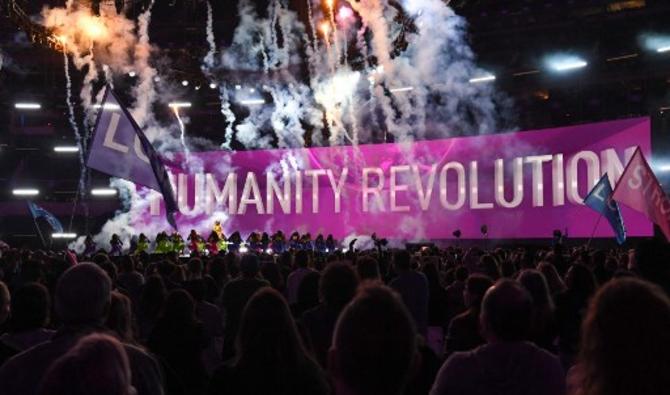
[
  {"x": 177, "y": 243},
  {"x": 213, "y": 243},
  {"x": 218, "y": 229},
  {"x": 330, "y": 244},
  {"x": 117, "y": 245},
  {"x": 90, "y": 246},
  {"x": 142, "y": 244},
  {"x": 278, "y": 242},
  {"x": 163, "y": 244},
  {"x": 234, "y": 242},
  {"x": 320, "y": 244}
]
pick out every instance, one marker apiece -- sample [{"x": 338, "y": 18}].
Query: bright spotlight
[
  {"x": 27, "y": 106},
  {"x": 244, "y": 249},
  {"x": 563, "y": 63},
  {"x": 656, "y": 42},
  {"x": 268, "y": 251},
  {"x": 483, "y": 78},
  {"x": 238, "y": 87},
  {"x": 66, "y": 149},
  {"x": 25, "y": 192},
  {"x": 64, "y": 236},
  {"x": 174, "y": 105},
  {"x": 402, "y": 89},
  {"x": 252, "y": 102},
  {"x": 212, "y": 85},
  {"x": 103, "y": 192},
  {"x": 157, "y": 79},
  {"x": 184, "y": 83},
  {"x": 132, "y": 74},
  {"x": 107, "y": 106}
]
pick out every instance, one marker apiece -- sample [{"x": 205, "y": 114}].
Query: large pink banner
[{"x": 520, "y": 185}]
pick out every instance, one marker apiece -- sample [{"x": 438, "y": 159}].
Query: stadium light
[
  {"x": 25, "y": 192},
  {"x": 484, "y": 78},
  {"x": 68, "y": 236},
  {"x": 402, "y": 89},
  {"x": 66, "y": 149},
  {"x": 103, "y": 192},
  {"x": 252, "y": 102},
  {"x": 27, "y": 106},
  {"x": 107, "y": 106},
  {"x": 564, "y": 63},
  {"x": 174, "y": 105}
]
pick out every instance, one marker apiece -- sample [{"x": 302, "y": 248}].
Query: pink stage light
[{"x": 345, "y": 14}]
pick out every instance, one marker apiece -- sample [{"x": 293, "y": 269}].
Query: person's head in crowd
[
  {"x": 232, "y": 264},
  {"x": 197, "y": 290},
  {"x": 432, "y": 274},
  {"x": 271, "y": 273},
  {"x": 110, "y": 269},
  {"x": 195, "y": 268},
  {"x": 83, "y": 295},
  {"x": 119, "y": 319},
  {"x": 217, "y": 269},
  {"x": 476, "y": 286},
  {"x": 308, "y": 290},
  {"x": 368, "y": 269},
  {"x": 31, "y": 307},
  {"x": 152, "y": 296},
  {"x": 402, "y": 261},
  {"x": 536, "y": 285},
  {"x": 338, "y": 285},
  {"x": 267, "y": 333},
  {"x": 127, "y": 264},
  {"x": 96, "y": 365},
  {"x": 651, "y": 258},
  {"x": 461, "y": 273},
  {"x": 507, "y": 269},
  {"x": 625, "y": 341},
  {"x": 5, "y": 303},
  {"x": 489, "y": 266},
  {"x": 178, "y": 274},
  {"x": 554, "y": 281},
  {"x": 580, "y": 281},
  {"x": 249, "y": 265},
  {"x": 374, "y": 345},
  {"x": 99, "y": 258},
  {"x": 302, "y": 259},
  {"x": 32, "y": 270},
  {"x": 179, "y": 307},
  {"x": 506, "y": 312},
  {"x": 165, "y": 268}
]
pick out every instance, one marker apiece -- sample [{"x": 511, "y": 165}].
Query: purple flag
[{"x": 121, "y": 149}]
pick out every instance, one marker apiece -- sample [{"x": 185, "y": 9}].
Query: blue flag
[
  {"x": 120, "y": 148},
  {"x": 600, "y": 200},
  {"x": 38, "y": 212}
]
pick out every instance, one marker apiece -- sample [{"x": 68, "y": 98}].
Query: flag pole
[
  {"x": 39, "y": 232},
  {"x": 600, "y": 216}
]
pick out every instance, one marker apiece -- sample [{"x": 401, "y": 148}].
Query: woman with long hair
[
  {"x": 179, "y": 339},
  {"x": 625, "y": 342},
  {"x": 270, "y": 357},
  {"x": 543, "y": 326}
]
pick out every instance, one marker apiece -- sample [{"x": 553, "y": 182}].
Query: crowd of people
[{"x": 384, "y": 321}]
